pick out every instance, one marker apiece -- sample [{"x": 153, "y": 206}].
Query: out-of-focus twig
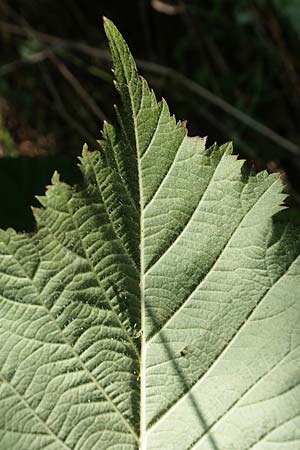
[
  {"x": 49, "y": 54},
  {"x": 53, "y": 40},
  {"x": 200, "y": 91},
  {"x": 177, "y": 78},
  {"x": 270, "y": 24},
  {"x": 78, "y": 88},
  {"x": 19, "y": 63},
  {"x": 61, "y": 110},
  {"x": 164, "y": 7}
]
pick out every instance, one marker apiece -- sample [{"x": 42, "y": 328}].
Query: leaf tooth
[{"x": 55, "y": 178}]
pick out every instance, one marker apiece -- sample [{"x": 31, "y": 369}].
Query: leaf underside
[{"x": 157, "y": 305}]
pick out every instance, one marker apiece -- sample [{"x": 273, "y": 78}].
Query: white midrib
[{"x": 143, "y": 431}]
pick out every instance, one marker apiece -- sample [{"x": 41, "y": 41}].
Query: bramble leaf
[{"x": 157, "y": 305}]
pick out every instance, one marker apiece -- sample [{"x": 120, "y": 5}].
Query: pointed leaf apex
[
  {"x": 55, "y": 178},
  {"x": 42, "y": 199},
  {"x": 85, "y": 149}
]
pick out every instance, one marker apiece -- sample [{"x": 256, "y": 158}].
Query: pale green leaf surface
[{"x": 157, "y": 305}]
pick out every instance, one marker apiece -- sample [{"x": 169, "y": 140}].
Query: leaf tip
[
  {"x": 85, "y": 149},
  {"x": 42, "y": 199},
  {"x": 109, "y": 27},
  {"x": 55, "y": 178}
]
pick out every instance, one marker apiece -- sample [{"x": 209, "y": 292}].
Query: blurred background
[{"x": 230, "y": 68}]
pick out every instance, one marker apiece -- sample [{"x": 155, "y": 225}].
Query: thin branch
[
  {"x": 77, "y": 86},
  {"x": 173, "y": 75},
  {"x": 35, "y": 58},
  {"x": 200, "y": 91},
  {"x": 60, "y": 109}
]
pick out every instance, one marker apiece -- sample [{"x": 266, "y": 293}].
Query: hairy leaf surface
[{"x": 157, "y": 305}]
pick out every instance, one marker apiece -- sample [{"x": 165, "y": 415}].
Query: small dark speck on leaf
[{"x": 184, "y": 351}]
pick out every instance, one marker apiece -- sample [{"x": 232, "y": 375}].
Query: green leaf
[{"x": 157, "y": 305}]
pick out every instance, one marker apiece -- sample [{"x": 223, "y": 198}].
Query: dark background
[{"x": 230, "y": 68}]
